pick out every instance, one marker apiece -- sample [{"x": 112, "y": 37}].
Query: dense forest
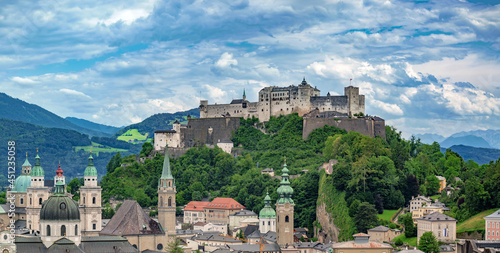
[{"x": 372, "y": 174}]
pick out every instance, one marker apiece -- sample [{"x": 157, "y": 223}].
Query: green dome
[
  {"x": 90, "y": 171},
  {"x": 22, "y": 183},
  {"x": 267, "y": 211},
  {"x": 59, "y": 206},
  {"x": 37, "y": 171}
]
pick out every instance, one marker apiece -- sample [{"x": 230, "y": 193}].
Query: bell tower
[
  {"x": 284, "y": 211},
  {"x": 166, "y": 197},
  {"x": 37, "y": 193},
  {"x": 90, "y": 201}
]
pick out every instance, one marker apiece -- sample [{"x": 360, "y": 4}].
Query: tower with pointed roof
[
  {"x": 244, "y": 95},
  {"x": 90, "y": 201},
  {"x": 284, "y": 211},
  {"x": 60, "y": 175},
  {"x": 37, "y": 193},
  {"x": 267, "y": 217},
  {"x": 166, "y": 197}
]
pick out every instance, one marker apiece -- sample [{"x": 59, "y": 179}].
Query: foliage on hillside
[
  {"x": 478, "y": 155},
  {"x": 54, "y": 144},
  {"x": 110, "y": 130},
  {"x": 16, "y": 109},
  {"x": 474, "y": 223},
  {"x": 159, "y": 121}
]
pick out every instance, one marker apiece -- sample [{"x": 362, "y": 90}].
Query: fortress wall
[
  {"x": 366, "y": 126},
  {"x": 329, "y": 104},
  {"x": 198, "y": 130}
]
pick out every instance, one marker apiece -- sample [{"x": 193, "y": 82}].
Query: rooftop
[
  {"x": 244, "y": 213},
  {"x": 437, "y": 216},
  {"x": 495, "y": 215},
  {"x": 196, "y": 206},
  {"x": 379, "y": 229},
  {"x": 225, "y": 203}
]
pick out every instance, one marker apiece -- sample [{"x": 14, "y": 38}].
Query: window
[
  {"x": 48, "y": 230},
  {"x": 159, "y": 246},
  {"x": 94, "y": 226},
  {"x": 269, "y": 223},
  {"x": 63, "y": 230},
  {"x": 84, "y": 200},
  {"x": 169, "y": 201},
  {"x": 93, "y": 200},
  {"x": 76, "y": 229},
  {"x": 263, "y": 223},
  {"x": 40, "y": 201},
  {"x": 287, "y": 219}
]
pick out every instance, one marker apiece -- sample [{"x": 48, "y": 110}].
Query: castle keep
[
  {"x": 275, "y": 101},
  {"x": 217, "y": 122}
]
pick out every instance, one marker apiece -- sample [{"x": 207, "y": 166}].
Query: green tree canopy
[{"x": 428, "y": 243}]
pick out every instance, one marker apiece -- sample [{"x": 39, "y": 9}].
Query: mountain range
[{"x": 478, "y": 139}]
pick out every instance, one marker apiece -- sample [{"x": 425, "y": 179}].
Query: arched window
[
  {"x": 168, "y": 183},
  {"x": 94, "y": 226},
  {"x": 48, "y": 230},
  {"x": 161, "y": 201},
  {"x": 22, "y": 201},
  {"x": 169, "y": 201},
  {"x": 84, "y": 200},
  {"x": 76, "y": 229},
  {"x": 93, "y": 200},
  {"x": 287, "y": 219},
  {"x": 31, "y": 202},
  {"x": 63, "y": 230},
  {"x": 40, "y": 201}
]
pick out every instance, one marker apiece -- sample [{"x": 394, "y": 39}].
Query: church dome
[
  {"x": 90, "y": 171},
  {"x": 267, "y": 211},
  {"x": 22, "y": 183},
  {"x": 59, "y": 206}
]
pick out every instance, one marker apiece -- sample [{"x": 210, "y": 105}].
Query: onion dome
[
  {"x": 59, "y": 171},
  {"x": 90, "y": 171},
  {"x": 59, "y": 207},
  {"x": 267, "y": 211},
  {"x": 304, "y": 82},
  {"x": 285, "y": 191},
  {"x": 37, "y": 171}
]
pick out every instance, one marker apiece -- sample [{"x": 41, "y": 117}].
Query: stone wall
[
  {"x": 208, "y": 130},
  {"x": 328, "y": 232},
  {"x": 369, "y": 126}
]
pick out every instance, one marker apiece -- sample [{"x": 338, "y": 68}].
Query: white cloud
[
  {"x": 393, "y": 109},
  {"x": 23, "y": 80},
  {"x": 74, "y": 93},
  {"x": 226, "y": 60}
]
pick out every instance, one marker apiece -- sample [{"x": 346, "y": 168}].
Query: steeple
[
  {"x": 304, "y": 82},
  {"x": 90, "y": 171},
  {"x": 285, "y": 191},
  {"x": 167, "y": 172},
  {"x": 26, "y": 168},
  {"x": 244, "y": 95},
  {"x": 37, "y": 170},
  {"x": 59, "y": 171}
]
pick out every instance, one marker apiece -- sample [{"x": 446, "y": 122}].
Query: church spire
[
  {"x": 285, "y": 191},
  {"x": 244, "y": 95},
  {"x": 167, "y": 172}
]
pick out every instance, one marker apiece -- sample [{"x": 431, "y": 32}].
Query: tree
[
  {"x": 428, "y": 243},
  {"x": 407, "y": 221},
  {"x": 147, "y": 148},
  {"x": 353, "y": 208},
  {"x": 175, "y": 246},
  {"x": 431, "y": 184},
  {"x": 366, "y": 217},
  {"x": 74, "y": 187}
]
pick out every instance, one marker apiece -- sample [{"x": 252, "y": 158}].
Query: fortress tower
[
  {"x": 37, "y": 193},
  {"x": 355, "y": 102},
  {"x": 166, "y": 197},
  {"x": 284, "y": 211},
  {"x": 90, "y": 202}
]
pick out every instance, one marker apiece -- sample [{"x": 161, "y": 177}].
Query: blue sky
[{"x": 424, "y": 66}]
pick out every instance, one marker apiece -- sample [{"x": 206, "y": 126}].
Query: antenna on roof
[{"x": 350, "y": 82}]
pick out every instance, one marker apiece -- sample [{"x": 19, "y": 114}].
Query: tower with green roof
[
  {"x": 267, "y": 216},
  {"x": 37, "y": 193},
  {"x": 166, "y": 197},
  {"x": 284, "y": 211},
  {"x": 90, "y": 201}
]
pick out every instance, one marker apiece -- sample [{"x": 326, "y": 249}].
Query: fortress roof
[{"x": 165, "y": 131}]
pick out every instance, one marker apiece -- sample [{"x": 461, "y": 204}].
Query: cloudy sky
[{"x": 424, "y": 66}]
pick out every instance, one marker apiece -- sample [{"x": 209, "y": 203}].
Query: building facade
[
  {"x": 361, "y": 243},
  {"x": 194, "y": 212},
  {"x": 383, "y": 234},
  {"x": 219, "y": 209},
  {"x": 275, "y": 101},
  {"x": 236, "y": 219},
  {"x": 419, "y": 201},
  {"x": 492, "y": 226},
  {"x": 284, "y": 211},
  {"x": 443, "y": 227}
]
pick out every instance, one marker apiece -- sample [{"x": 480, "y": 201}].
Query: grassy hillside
[
  {"x": 387, "y": 214},
  {"x": 475, "y": 222},
  {"x": 133, "y": 135},
  {"x": 96, "y": 148}
]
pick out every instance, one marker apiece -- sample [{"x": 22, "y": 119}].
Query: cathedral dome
[
  {"x": 22, "y": 183},
  {"x": 90, "y": 171},
  {"x": 59, "y": 206}
]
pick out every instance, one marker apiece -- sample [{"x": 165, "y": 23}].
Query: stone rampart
[{"x": 369, "y": 126}]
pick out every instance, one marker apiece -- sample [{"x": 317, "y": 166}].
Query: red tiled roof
[
  {"x": 225, "y": 203},
  {"x": 198, "y": 206},
  {"x": 360, "y": 235}
]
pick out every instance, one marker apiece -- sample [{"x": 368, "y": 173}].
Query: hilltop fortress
[
  {"x": 275, "y": 101},
  {"x": 217, "y": 122}
]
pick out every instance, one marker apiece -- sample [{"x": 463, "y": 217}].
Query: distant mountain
[
  {"x": 16, "y": 109},
  {"x": 467, "y": 140},
  {"x": 111, "y": 130},
  {"x": 478, "y": 155},
  {"x": 54, "y": 144},
  {"x": 491, "y": 136},
  {"x": 161, "y": 121},
  {"x": 430, "y": 138}
]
